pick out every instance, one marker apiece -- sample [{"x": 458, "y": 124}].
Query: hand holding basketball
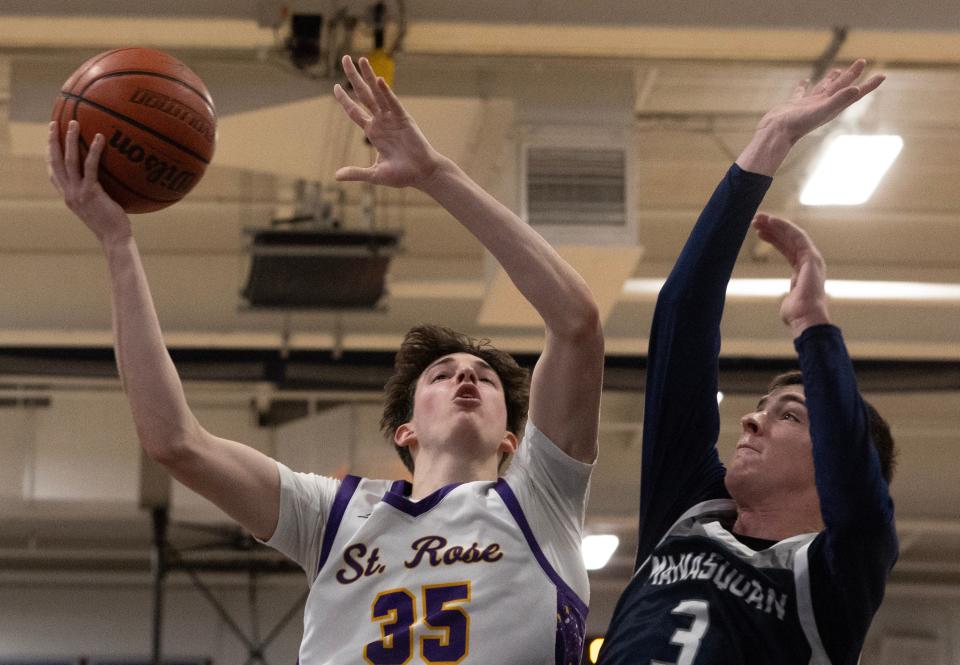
[
  {"x": 404, "y": 156},
  {"x": 79, "y": 185},
  {"x": 157, "y": 120}
]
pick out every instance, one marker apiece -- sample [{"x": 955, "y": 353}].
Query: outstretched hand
[
  {"x": 806, "y": 303},
  {"x": 404, "y": 156},
  {"x": 80, "y": 187},
  {"x": 810, "y": 107},
  {"x": 806, "y": 109}
]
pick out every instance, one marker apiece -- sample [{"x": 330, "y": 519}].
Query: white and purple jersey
[{"x": 479, "y": 572}]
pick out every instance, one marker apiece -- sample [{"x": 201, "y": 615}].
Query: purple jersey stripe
[
  {"x": 347, "y": 487},
  {"x": 510, "y": 499}
]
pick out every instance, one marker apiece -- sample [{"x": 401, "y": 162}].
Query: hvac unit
[{"x": 576, "y": 185}]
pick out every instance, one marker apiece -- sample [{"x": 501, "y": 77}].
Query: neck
[
  {"x": 430, "y": 474},
  {"x": 777, "y": 519}
]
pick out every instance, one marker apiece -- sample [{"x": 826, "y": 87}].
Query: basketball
[{"x": 158, "y": 120}]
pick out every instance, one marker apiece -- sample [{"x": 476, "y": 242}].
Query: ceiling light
[
  {"x": 598, "y": 549},
  {"x": 838, "y": 289},
  {"x": 850, "y": 169},
  {"x": 594, "y": 649},
  {"x": 758, "y": 288},
  {"x": 853, "y": 289}
]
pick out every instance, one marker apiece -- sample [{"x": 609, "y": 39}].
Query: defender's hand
[
  {"x": 808, "y": 108},
  {"x": 404, "y": 156},
  {"x": 806, "y": 303},
  {"x": 79, "y": 186}
]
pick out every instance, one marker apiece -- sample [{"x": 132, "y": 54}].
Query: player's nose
[
  {"x": 466, "y": 373},
  {"x": 752, "y": 423}
]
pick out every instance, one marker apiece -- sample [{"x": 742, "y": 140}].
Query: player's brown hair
[
  {"x": 424, "y": 344},
  {"x": 879, "y": 429}
]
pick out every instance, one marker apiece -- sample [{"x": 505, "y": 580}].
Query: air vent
[{"x": 576, "y": 187}]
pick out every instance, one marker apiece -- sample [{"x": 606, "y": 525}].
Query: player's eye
[
  {"x": 440, "y": 375},
  {"x": 790, "y": 415},
  {"x": 488, "y": 380}
]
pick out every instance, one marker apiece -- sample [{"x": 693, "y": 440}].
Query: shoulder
[{"x": 537, "y": 453}]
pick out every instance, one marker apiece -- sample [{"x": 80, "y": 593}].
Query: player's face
[
  {"x": 459, "y": 399},
  {"x": 774, "y": 453}
]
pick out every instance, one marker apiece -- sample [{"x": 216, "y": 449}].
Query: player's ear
[
  {"x": 508, "y": 444},
  {"x": 404, "y": 435}
]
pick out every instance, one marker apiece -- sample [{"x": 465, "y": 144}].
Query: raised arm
[
  {"x": 851, "y": 558},
  {"x": 681, "y": 419},
  {"x": 565, "y": 387},
  {"x": 243, "y": 482},
  {"x": 852, "y": 491}
]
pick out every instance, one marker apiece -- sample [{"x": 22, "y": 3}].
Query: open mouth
[{"x": 467, "y": 392}]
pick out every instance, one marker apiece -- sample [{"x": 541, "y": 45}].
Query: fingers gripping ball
[{"x": 157, "y": 118}]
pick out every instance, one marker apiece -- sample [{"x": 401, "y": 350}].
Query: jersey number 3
[
  {"x": 396, "y": 611},
  {"x": 689, "y": 639}
]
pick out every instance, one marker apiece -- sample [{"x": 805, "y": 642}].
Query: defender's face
[
  {"x": 459, "y": 399},
  {"x": 774, "y": 453}
]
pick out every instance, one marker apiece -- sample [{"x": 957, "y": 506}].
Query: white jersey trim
[
  {"x": 808, "y": 621},
  {"x": 710, "y": 506}
]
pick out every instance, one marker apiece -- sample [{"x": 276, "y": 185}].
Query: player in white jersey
[
  {"x": 459, "y": 566},
  {"x": 459, "y": 576}
]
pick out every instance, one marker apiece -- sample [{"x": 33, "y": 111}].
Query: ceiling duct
[
  {"x": 308, "y": 261},
  {"x": 574, "y": 190},
  {"x": 318, "y": 268}
]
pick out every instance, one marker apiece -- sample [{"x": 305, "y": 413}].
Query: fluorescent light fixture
[
  {"x": 838, "y": 289},
  {"x": 719, "y": 397},
  {"x": 850, "y": 169},
  {"x": 758, "y": 288},
  {"x": 643, "y": 286},
  {"x": 598, "y": 549},
  {"x": 744, "y": 288},
  {"x": 852, "y": 289}
]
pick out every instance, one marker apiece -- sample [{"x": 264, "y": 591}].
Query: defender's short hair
[{"x": 424, "y": 344}]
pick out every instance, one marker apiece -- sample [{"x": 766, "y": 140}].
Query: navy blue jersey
[
  {"x": 705, "y": 597},
  {"x": 806, "y": 599}
]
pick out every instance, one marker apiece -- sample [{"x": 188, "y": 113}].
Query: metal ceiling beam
[{"x": 368, "y": 371}]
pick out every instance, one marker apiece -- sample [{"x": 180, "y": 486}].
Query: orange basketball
[{"x": 157, "y": 118}]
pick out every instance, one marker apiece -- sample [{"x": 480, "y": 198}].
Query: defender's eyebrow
[
  {"x": 785, "y": 397},
  {"x": 790, "y": 397}
]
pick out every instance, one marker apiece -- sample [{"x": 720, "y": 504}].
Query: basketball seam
[
  {"x": 144, "y": 72},
  {"x": 63, "y": 110},
  {"x": 135, "y": 123},
  {"x": 122, "y": 184}
]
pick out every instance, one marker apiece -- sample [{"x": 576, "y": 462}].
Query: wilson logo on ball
[
  {"x": 173, "y": 108},
  {"x": 167, "y": 175}
]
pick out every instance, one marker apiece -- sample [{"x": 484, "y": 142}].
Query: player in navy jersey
[
  {"x": 400, "y": 571},
  {"x": 782, "y": 556}
]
